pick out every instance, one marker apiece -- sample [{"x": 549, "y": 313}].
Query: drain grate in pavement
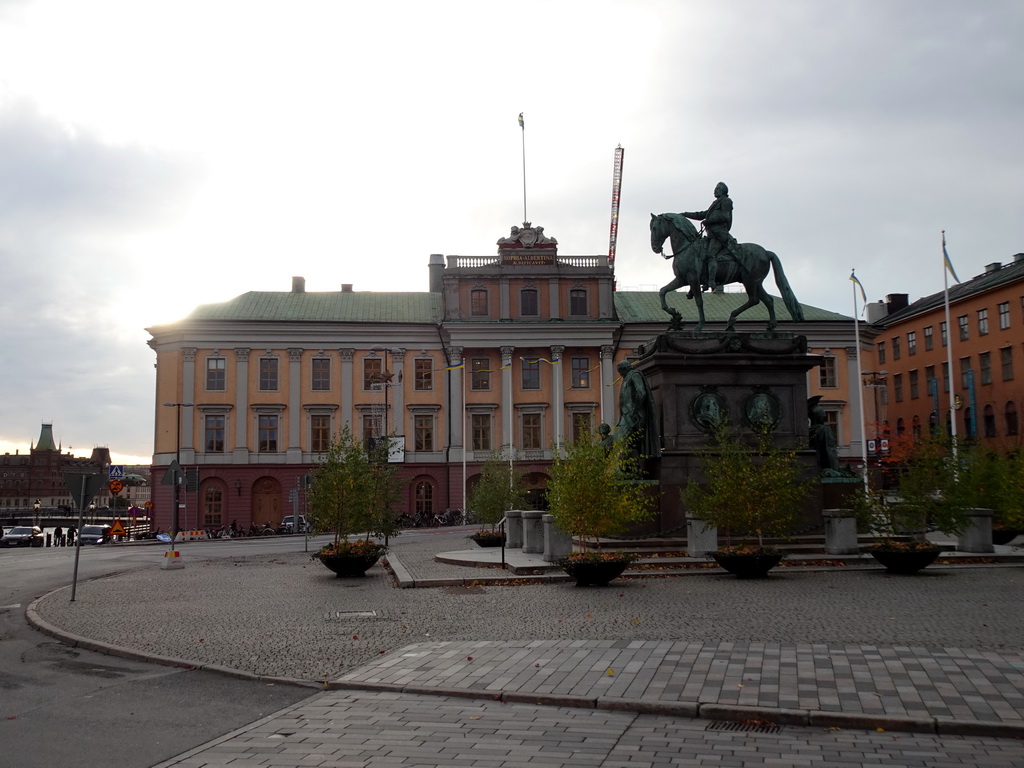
[
  {"x": 352, "y": 615},
  {"x": 733, "y": 725}
]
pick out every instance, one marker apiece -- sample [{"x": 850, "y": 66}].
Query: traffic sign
[
  {"x": 115, "y": 486},
  {"x": 134, "y": 511},
  {"x": 116, "y": 472},
  {"x": 117, "y": 529}
]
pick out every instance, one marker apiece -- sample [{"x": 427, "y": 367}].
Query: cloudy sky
[{"x": 159, "y": 155}]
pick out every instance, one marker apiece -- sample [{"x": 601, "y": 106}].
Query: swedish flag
[
  {"x": 521, "y": 124},
  {"x": 853, "y": 279},
  {"x": 945, "y": 258}
]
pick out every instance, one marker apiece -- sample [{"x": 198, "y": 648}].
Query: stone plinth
[
  {"x": 557, "y": 543},
  {"x": 977, "y": 536},
  {"x": 513, "y": 529},
  {"x": 533, "y": 532},
  {"x": 840, "y": 532}
]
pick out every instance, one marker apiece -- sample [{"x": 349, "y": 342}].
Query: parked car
[
  {"x": 24, "y": 536},
  {"x": 94, "y": 534},
  {"x": 288, "y": 523}
]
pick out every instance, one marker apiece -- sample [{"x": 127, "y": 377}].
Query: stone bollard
[
  {"x": 533, "y": 532},
  {"x": 513, "y": 529},
  {"x": 840, "y": 532},
  {"x": 977, "y": 536},
  {"x": 701, "y": 538},
  {"x": 557, "y": 543}
]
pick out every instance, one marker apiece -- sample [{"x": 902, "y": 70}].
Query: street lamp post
[
  {"x": 385, "y": 381},
  {"x": 177, "y": 473}
]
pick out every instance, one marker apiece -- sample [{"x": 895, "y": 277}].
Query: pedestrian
[
  {"x": 72, "y": 532},
  {"x": 58, "y": 537}
]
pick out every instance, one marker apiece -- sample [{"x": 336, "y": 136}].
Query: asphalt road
[{"x": 62, "y": 706}]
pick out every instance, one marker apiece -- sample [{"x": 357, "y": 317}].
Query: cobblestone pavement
[{"x": 941, "y": 651}]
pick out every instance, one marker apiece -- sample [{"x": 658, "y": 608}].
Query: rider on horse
[{"x": 717, "y": 223}]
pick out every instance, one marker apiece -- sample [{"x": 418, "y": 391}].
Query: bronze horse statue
[{"x": 750, "y": 269}]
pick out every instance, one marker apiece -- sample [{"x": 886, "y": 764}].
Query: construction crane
[{"x": 616, "y": 188}]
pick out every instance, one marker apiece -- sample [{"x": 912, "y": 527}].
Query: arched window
[
  {"x": 424, "y": 498},
  {"x": 901, "y": 426},
  {"x": 988, "y": 420},
  {"x": 1010, "y": 414},
  {"x": 213, "y": 506},
  {"x": 916, "y": 426}
]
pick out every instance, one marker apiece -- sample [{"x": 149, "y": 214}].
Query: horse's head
[{"x": 664, "y": 225}]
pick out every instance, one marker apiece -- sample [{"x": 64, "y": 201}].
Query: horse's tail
[{"x": 796, "y": 311}]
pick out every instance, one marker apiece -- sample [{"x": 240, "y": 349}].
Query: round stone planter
[
  {"x": 905, "y": 561},
  {"x": 348, "y": 565},
  {"x": 488, "y": 539},
  {"x": 747, "y": 566},
  {"x": 594, "y": 573}
]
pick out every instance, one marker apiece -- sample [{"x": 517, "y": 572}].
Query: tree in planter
[
  {"x": 993, "y": 480},
  {"x": 498, "y": 490},
  {"x": 751, "y": 492},
  {"x": 352, "y": 492},
  {"x": 595, "y": 492},
  {"x": 930, "y": 494}
]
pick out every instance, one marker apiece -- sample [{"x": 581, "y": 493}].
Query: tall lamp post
[{"x": 177, "y": 472}]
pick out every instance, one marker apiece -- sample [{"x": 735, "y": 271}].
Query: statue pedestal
[{"x": 745, "y": 379}]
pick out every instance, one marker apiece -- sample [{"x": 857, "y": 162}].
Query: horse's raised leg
[{"x": 677, "y": 319}]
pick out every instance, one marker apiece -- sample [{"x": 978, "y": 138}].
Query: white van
[{"x": 289, "y": 523}]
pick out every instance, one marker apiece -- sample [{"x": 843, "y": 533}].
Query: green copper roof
[
  {"x": 335, "y": 307},
  {"x": 644, "y": 307}
]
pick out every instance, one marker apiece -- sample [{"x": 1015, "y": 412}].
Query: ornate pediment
[{"x": 527, "y": 246}]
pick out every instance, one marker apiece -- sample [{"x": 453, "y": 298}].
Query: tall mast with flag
[
  {"x": 946, "y": 272},
  {"x": 522, "y": 127},
  {"x": 860, "y": 389}
]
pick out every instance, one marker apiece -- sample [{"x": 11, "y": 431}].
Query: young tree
[{"x": 498, "y": 490}]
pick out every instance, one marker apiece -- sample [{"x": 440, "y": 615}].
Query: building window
[
  {"x": 268, "y": 374},
  {"x": 985, "y": 367},
  {"x": 481, "y": 378},
  {"x": 881, "y": 351},
  {"x": 1004, "y": 315},
  {"x": 214, "y": 428},
  {"x": 929, "y": 339},
  {"x": 423, "y": 427},
  {"x": 582, "y": 424},
  {"x": 424, "y": 499},
  {"x": 897, "y": 387},
  {"x": 531, "y": 432},
  {"x": 371, "y": 429},
  {"x": 911, "y": 342},
  {"x": 945, "y": 377},
  {"x": 321, "y": 374},
  {"x": 1006, "y": 361},
  {"x": 423, "y": 377},
  {"x": 929, "y": 377},
  {"x": 982, "y": 322},
  {"x": 320, "y": 432},
  {"x": 531, "y": 374},
  {"x": 988, "y": 421},
  {"x": 965, "y": 333},
  {"x": 528, "y": 305},
  {"x": 373, "y": 374},
  {"x": 213, "y": 507},
  {"x": 969, "y": 430},
  {"x": 216, "y": 374},
  {"x": 827, "y": 373},
  {"x": 901, "y": 426},
  {"x": 895, "y": 347},
  {"x": 915, "y": 391},
  {"x": 580, "y": 372},
  {"x": 944, "y": 333},
  {"x": 268, "y": 433},
  {"x": 1010, "y": 415},
  {"x": 965, "y": 368},
  {"x": 481, "y": 424},
  {"x": 915, "y": 427},
  {"x": 577, "y": 301},
  {"x": 478, "y": 302}
]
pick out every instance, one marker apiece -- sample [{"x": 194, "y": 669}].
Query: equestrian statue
[{"x": 717, "y": 259}]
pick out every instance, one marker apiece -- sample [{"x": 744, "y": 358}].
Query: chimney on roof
[
  {"x": 346, "y": 287},
  {"x": 436, "y": 267},
  {"x": 894, "y": 302},
  {"x": 298, "y": 285},
  {"x": 1018, "y": 258},
  {"x": 995, "y": 266}
]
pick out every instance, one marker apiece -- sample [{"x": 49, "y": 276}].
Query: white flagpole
[
  {"x": 949, "y": 345},
  {"x": 522, "y": 126},
  {"x": 860, "y": 391},
  {"x": 465, "y": 448}
]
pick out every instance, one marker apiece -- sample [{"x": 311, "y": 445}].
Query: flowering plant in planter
[
  {"x": 498, "y": 490},
  {"x": 752, "y": 490}
]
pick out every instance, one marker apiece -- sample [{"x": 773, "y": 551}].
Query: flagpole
[
  {"x": 949, "y": 342},
  {"x": 465, "y": 448},
  {"x": 860, "y": 388},
  {"x": 522, "y": 126}
]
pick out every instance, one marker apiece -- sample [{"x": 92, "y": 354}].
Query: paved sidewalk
[{"x": 940, "y": 653}]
